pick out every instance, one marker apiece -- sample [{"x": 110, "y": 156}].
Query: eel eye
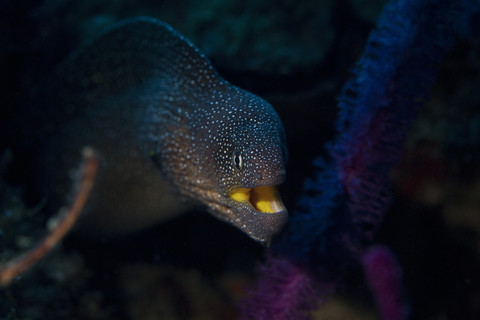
[{"x": 238, "y": 160}]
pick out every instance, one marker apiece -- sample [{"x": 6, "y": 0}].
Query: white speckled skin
[{"x": 162, "y": 120}]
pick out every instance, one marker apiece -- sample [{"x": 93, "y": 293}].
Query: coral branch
[
  {"x": 284, "y": 293},
  {"x": 384, "y": 277},
  {"x": 344, "y": 203},
  {"x": 61, "y": 227}
]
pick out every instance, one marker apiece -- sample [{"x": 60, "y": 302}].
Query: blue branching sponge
[{"x": 344, "y": 202}]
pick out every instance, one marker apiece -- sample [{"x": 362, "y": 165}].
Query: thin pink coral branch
[{"x": 64, "y": 224}]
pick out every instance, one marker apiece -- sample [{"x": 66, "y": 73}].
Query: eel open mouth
[{"x": 264, "y": 199}]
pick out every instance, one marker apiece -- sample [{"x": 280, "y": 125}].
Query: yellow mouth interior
[{"x": 264, "y": 199}]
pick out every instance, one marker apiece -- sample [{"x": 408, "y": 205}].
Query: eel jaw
[
  {"x": 259, "y": 212},
  {"x": 264, "y": 199}
]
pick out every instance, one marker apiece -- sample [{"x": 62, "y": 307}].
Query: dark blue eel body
[{"x": 166, "y": 126}]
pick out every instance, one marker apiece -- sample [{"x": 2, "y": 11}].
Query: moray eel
[{"x": 164, "y": 123}]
